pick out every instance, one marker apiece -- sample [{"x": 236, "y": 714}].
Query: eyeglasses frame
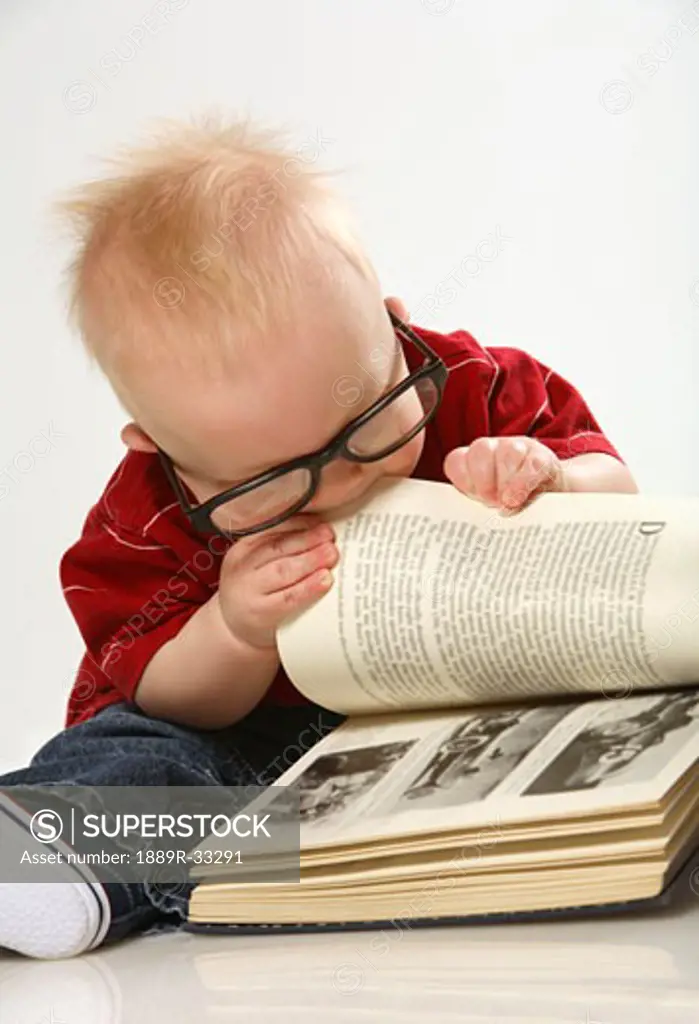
[{"x": 433, "y": 368}]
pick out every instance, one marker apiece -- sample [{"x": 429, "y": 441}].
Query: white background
[{"x": 570, "y": 128}]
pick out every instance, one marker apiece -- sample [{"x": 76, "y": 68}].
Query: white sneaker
[
  {"x": 47, "y": 920},
  {"x": 52, "y": 920}
]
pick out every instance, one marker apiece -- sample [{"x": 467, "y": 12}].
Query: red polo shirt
[{"x": 139, "y": 570}]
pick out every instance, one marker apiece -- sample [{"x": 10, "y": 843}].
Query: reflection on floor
[{"x": 613, "y": 971}]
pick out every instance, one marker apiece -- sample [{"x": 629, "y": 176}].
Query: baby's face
[{"x": 288, "y": 397}]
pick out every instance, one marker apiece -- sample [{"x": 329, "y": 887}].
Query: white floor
[{"x": 632, "y": 970}]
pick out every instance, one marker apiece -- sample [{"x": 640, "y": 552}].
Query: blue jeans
[{"x": 122, "y": 746}]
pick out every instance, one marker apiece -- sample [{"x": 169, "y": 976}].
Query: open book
[{"x": 523, "y": 693}]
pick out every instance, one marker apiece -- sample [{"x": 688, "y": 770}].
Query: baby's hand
[
  {"x": 269, "y": 575},
  {"x": 504, "y": 471}
]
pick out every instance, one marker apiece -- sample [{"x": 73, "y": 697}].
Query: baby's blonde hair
[{"x": 198, "y": 243}]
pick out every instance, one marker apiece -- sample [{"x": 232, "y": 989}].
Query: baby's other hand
[
  {"x": 267, "y": 576},
  {"x": 504, "y": 471}
]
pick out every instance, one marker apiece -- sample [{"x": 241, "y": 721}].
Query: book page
[
  {"x": 486, "y": 768},
  {"x": 566, "y": 783},
  {"x": 440, "y": 601}
]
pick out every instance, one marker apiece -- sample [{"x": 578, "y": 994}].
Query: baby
[{"x": 220, "y": 288}]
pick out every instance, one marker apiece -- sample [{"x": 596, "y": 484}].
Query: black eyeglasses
[{"x": 271, "y": 497}]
